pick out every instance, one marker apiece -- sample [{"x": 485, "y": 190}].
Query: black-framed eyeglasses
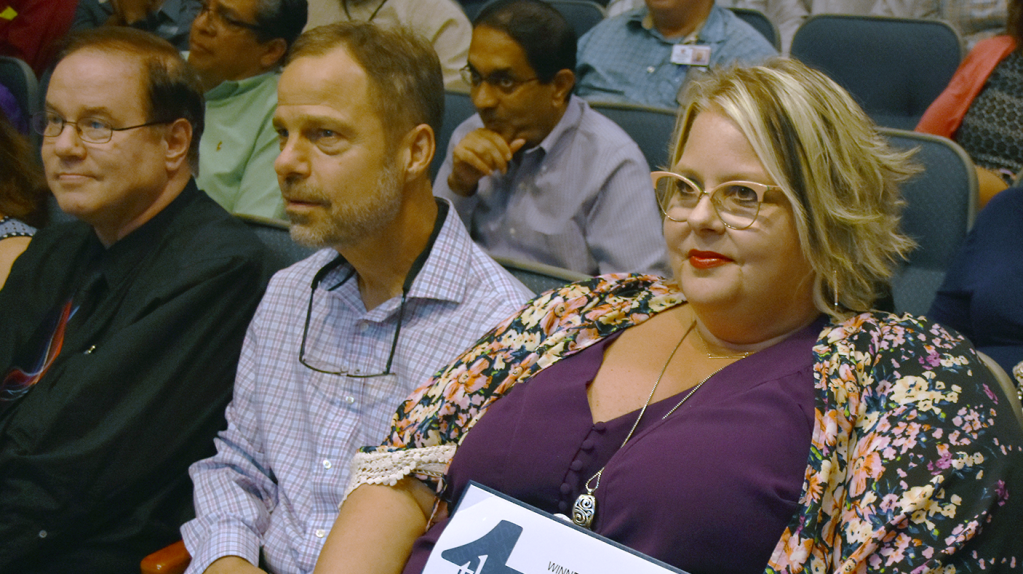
[
  {"x": 410, "y": 277},
  {"x": 736, "y": 203},
  {"x": 503, "y": 81},
  {"x": 308, "y": 317},
  {"x": 222, "y": 20},
  {"x": 91, "y": 130}
]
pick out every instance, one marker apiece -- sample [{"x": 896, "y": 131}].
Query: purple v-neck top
[{"x": 708, "y": 489}]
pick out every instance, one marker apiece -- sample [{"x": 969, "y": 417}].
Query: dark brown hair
[
  {"x": 23, "y": 190},
  {"x": 172, "y": 86}
]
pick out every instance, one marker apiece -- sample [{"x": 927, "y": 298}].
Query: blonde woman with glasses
[{"x": 752, "y": 414}]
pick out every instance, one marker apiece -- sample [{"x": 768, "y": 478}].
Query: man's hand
[
  {"x": 479, "y": 154},
  {"x": 232, "y": 565}
]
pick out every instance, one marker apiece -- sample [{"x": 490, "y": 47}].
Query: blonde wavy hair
[{"x": 839, "y": 174}]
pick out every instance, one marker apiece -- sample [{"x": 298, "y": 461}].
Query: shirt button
[
  {"x": 587, "y": 444},
  {"x": 577, "y": 465},
  {"x": 599, "y": 427},
  {"x": 349, "y": 399},
  {"x": 651, "y": 70},
  {"x": 326, "y": 463},
  {"x": 363, "y": 327},
  {"x": 42, "y": 534},
  {"x": 563, "y": 506},
  {"x": 320, "y": 533},
  {"x": 565, "y": 488}
]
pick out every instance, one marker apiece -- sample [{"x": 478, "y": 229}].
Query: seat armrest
[{"x": 173, "y": 559}]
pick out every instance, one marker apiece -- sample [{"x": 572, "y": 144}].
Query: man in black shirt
[{"x": 119, "y": 333}]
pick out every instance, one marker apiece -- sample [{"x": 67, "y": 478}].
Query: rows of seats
[
  {"x": 585, "y": 14},
  {"x": 941, "y": 200},
  {"x": 20, "y": 80},
  {"x": 893, "y": 67}
]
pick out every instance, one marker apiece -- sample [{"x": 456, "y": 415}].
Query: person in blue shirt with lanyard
[{"x": 646, "y": 56}]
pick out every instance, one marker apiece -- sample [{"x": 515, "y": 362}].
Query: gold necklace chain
[{"x": 706, "y": 350}]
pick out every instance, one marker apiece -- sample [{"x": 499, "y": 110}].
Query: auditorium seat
[
  {"x": 894, "y": 67},
  {"x": 941, "y": 203}
]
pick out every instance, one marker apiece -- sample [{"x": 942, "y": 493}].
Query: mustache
[{"x": 294, "y": 190}]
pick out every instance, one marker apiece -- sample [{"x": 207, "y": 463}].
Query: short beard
[{"x": 347, "y": 224}]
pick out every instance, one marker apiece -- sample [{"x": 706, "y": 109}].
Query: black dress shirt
[{"x": 94, "y": 457}]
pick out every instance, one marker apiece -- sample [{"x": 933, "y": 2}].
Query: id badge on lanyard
[{"x": 690, "y": 55}]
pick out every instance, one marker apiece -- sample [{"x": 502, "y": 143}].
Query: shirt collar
[
  {"x": 448, "y": 261},
  {"x": 568, "y": 122},
  {"x": 231, "y": 88},
  {"x": 712, "y": 27},
  {"x": 450, "y": 253},
  {"x": 119, "y": 261}
]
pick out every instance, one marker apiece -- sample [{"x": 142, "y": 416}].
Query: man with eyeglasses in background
[
  {"x": 398, "y": 290},
  {"x": 536, "y": 174},
  {"x": 120, "y": 332},
  {"x": 238, "y": 46}
]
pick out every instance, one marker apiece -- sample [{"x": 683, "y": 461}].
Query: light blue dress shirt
[
  {"x": 581, "y": 200},
  {"x": 282, "y": 464},
  {"x": 622, "y": 60}
]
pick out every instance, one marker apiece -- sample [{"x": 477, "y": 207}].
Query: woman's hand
[
  {"x": 989, "y": 184},
  {"x": 376, "y": 528}
]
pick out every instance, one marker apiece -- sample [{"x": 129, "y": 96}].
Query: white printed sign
[{"x": 491, "y": 533}]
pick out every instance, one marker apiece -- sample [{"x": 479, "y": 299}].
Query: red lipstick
[{"x": 706, "y": 259}]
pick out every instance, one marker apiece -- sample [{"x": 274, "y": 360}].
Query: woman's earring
[{"x": 834, "y": 286}]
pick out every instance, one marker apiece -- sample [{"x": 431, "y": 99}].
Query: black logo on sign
[{"x": 488, "y": 554}]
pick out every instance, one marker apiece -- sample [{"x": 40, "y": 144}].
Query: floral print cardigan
[{"x": 915, "y": 458}]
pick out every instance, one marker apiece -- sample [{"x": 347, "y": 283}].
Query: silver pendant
[{"x": 583, "y": 510}]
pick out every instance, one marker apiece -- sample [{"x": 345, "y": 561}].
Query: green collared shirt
[{"x": 239, "y": 146}]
